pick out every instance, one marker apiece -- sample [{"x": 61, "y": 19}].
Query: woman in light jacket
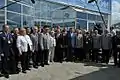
[
  {"x": 24, "y": 44},
  {"x": 52, "y": 47},
  {"x": 79, "y": 52}
]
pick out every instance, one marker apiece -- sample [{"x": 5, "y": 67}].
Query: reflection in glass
[
  {"x": 81, "y": 24},
  {"x": 14, "y": 18},
  {"x": 14, "y": 7}
]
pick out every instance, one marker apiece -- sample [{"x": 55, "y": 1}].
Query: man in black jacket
[
  {"x": 116, "y": 48},
  {"x": 6, "y": 51}
]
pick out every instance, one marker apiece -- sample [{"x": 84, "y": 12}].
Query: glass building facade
[{"x": 65, "y": 13}]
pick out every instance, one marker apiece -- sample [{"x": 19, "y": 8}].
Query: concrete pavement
[{"x": 70, "y": 71}]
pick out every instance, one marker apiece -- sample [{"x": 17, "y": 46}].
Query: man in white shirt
[{"x": 24, "y": 44}]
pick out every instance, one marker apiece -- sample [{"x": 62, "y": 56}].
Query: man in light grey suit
[
  {"x": 44, "y": 40},
  {"x": 35, "y": 54},
  {"x": 96, "y": 42}
]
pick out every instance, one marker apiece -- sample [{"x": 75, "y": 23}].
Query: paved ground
[{"x": 70, "y": 71}]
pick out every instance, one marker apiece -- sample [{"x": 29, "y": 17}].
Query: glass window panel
[
  {"x": 27, "y": 2},
  {"x": 14, "y": 7},
  {"x": 91, "y": 17},
  {"x": 99, "y": 18},
  {"x": 69, "y": 24},
  {"x": 28, "y": 10},
  {"x": 14, "y": 18},
  {"x": 81, "y": 24},
  {"x": 28, "y": 20},
  {"x": 91, "y": 26},
  {"x": 81, "y": 15},
  {"x": 2, "y": 3}
]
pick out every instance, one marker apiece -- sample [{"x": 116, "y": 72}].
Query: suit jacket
[
  {"x": 23, "y": 43},
  {"x": 106, "y": 41},
  {"x": 115, "y": 42},
  {"x": 71, "y": 40},
  {"x": 15, "y": 49},
  {"x": 64, "y": 41},
  {"x": 34, "y": 39},
  {"x": 96, "y": 41},
  {"x": 6, "y": 42},
  {"x": 58, "y": 40},
  {"x": 79, "y": 41},
  {"x": 45, "y": 41},
  {"x": 87, "y": 42}
]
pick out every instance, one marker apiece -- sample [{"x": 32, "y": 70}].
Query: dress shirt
[{"x": 23, "y": 42}]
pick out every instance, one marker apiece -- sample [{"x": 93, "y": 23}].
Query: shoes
[
  {"x": 28, "y": 69},
  {"x": 6, "y": 75},
  {"x": 24, "y": 72},
  {"x": 42, "y": 65},
  {"x": 47, "y": 64},
  {"x": 36, "y": 67}
]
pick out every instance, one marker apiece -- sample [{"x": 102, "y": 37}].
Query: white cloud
[{"x": 115, "y": 12}]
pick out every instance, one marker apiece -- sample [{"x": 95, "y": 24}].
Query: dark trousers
[
  {"x": 61, "y": 54},
  {"x": 57, "y": 53},
  {"x": 70, "y": 54},
  {"x": 105, "y": 55},
  {"x": 95, "y": 55},
  {"x": 65, "y": 52},
  {"x": 115, "y": 55},
  {"x": 79, "y": 53},
  {"x": 44, "y": 56},
  {"x": 17, "y": 59},
  {"x": 8, "y": 64},
  {"x": 24, "y": 61},
  {"x": 34, "y": 58},
  {"x": 38, "y": 58},
  {"x": 5, "y": 67}
]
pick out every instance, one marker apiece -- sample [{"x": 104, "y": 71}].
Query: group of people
[{"x": 46, "y": 45}]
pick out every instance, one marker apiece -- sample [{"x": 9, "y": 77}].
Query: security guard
[{"x": 6, "y": 52}]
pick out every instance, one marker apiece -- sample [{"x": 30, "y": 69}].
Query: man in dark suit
[
  {"x": 64, "y": 45},
  {"x": 71, "y": 44},
  {"x": 15, "y": 49},
  {"x": 6, "y": 52},
  {"x": 116, "y": 48},
  {"x": 58, "y": 45}
]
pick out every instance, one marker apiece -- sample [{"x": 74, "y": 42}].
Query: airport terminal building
[{"x": 65, "y": 13}]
